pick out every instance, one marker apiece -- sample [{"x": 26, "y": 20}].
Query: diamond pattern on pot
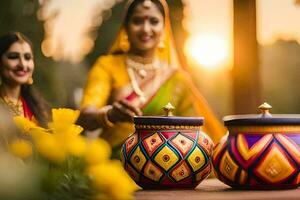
[
  {"x": 182, "y": 143},
  {"x": 196, "y": 159},
  {"x": 131, "y": 142},
  {"x": 228, "y": 167},
  {"x": 275, "y": 166},
  {"x": 132, "y": 173},
  {"x": 206, "y": 143},
  {"x": 166, "y": 158},
  {"x": 152, "y": 172},
  {"x": 204, "y": 173},
  {"x": 249, "y": 151},
  {"x": 152, "y": 143},
  {"x": 181, "y": 171},
  {"x": 138, "y": 159},
  {"x": 290, "y": 145}
]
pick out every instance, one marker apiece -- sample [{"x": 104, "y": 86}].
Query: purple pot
[{"x": 260, "y": 151}]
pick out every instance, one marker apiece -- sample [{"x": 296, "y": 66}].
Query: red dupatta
[{"x": 27, "y": 112}]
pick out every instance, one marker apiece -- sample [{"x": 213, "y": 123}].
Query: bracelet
[{"x": 103, "y": 118}]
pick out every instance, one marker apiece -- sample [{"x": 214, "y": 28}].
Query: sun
[{"x": 210, "y": 51}]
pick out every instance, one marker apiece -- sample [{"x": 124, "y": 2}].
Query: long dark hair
[{"x": 38, "y": 105}]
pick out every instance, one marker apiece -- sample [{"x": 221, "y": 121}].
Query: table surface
[{"x": 213, "y": 189}]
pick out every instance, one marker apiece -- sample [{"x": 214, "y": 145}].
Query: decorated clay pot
[
  {"x": 167, "y": 152},
  {"x": 260, "y": 151}
]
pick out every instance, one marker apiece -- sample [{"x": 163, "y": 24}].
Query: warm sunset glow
[
  {"x": 277, "y": 19},
  {"x": 209, "y": 44},
  {"x": 210, "y": 51}
]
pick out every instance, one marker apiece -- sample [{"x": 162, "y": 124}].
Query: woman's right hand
[{"x": 122, "y": 111}]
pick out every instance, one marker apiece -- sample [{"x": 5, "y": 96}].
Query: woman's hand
[{"x": 122, "y": 111}]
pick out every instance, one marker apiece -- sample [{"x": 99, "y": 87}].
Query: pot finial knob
[
  {"x": 169, "y": 109},
  {"x": 265, "y": 109}
]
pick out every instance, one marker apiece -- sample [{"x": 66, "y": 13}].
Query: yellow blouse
[{"x": 108, "y": 73}]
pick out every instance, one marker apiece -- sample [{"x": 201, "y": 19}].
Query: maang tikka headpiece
[{"x": 147, "y": 3}]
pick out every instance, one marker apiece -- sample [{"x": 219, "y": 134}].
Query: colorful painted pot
[
  {"x": 167, "y": 152},
  {"x": 260, "y": 151}
]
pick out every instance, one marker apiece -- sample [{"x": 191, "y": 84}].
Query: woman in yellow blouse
[{"x": 139, "y": 76}]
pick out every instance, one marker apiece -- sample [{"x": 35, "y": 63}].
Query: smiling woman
[
  {"x": 140, "y": 75},
  {"x": 18, "y": 64},
  {"x": 144, "y": 28},
  {"x": 16, "y": 69}
]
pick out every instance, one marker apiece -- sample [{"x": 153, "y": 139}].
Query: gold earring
[
  {"x": 30, "y": 81},
  {"x": 124, "y": 43},
  {"x": 161, "y": 45}
]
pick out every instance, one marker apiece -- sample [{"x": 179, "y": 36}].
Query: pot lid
[
  {"x": 168, "y": 119},
  {"x": 265, "y": 118}
]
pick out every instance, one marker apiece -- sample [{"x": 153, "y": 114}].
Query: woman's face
[
  {"x": 17, "y": 63},
  {"x": 145, "y": 27}
]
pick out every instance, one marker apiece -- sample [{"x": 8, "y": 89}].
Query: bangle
[{"x": 103, "y": 117}]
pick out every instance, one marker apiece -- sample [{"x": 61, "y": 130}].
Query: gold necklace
[
  {"x": 135, "y": 85},
  {"x": 140, "y": 67},
  {"x": 16, "y": 108}
]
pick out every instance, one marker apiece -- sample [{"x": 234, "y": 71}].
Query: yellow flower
[
  {"x": 76, "y": 145},
  {"x": 110, "y": 178},
  {"x": 74, "y": 129},
  {"x": 24, "y": 124},
  {"x": 69, "y": 134},
  {"x": 51, "y": 148},
  {"x": 64, "y": 122},
  {"x": 21, "y": 148},
  {"x": 62, "y": 137},
  {"x": 64, "y": 115},
  {"x": 65, "y": 130},
  {"x": 38, "y": 132},
  {"x": 98, "y": 151}
]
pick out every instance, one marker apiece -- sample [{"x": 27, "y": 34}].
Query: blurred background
[{"x": 242, "y": 53}]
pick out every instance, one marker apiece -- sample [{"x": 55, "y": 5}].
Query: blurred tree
[
  {"x": 246, "y": 80},
  {"x": 280, "y": 72}
]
